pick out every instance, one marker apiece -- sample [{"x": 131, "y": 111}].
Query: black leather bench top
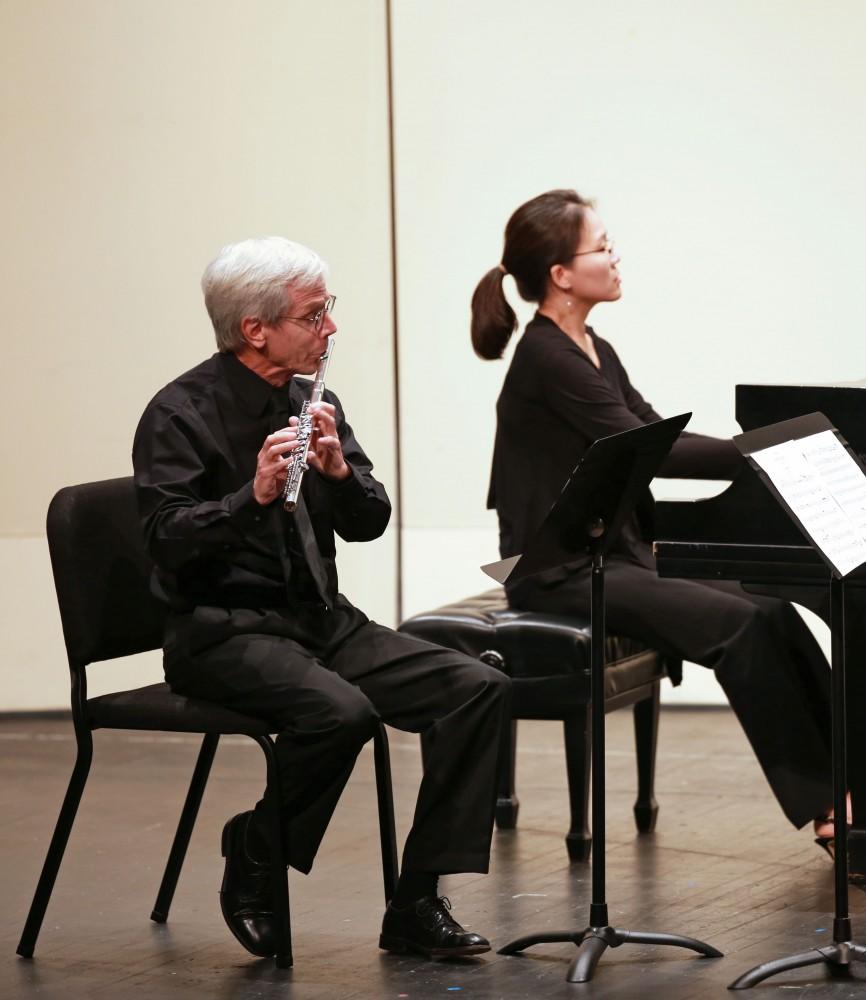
[
  {"x": 546, "y": 656},
  {"x": 534, "y": 644}
]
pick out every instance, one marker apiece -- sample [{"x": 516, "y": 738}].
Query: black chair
[
  {"x": 547, "y": 658},
  {"x": 101, "y": 574}
]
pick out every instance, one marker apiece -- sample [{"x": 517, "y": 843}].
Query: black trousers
[
  {"x": 324, "y": 679},
  {"x": 767, "y": 661}
]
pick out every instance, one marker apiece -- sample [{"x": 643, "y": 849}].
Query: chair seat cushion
[
  {"x": 547, "y": 656},
  {"x": 158, "y": 707}
]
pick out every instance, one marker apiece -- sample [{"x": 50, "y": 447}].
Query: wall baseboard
[
  {"x": 59, "y": 714},
  {"x": 35, "y": 714}
]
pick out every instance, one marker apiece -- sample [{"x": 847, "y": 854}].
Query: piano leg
[{"x": 855, "y": 675}]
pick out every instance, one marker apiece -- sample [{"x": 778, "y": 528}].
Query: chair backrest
[{"x": 102, "y": 573}]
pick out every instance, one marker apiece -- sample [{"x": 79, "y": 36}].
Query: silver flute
[{"x": 298, "y": 461}]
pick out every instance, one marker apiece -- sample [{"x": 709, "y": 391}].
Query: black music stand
[
  {"x": 839, "y": 955},
  {"x": 587, "y": 517}
]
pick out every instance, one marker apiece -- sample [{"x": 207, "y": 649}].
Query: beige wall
[
  {"x": 138, "y": 139},
  {"x": 723, "y": 142}
]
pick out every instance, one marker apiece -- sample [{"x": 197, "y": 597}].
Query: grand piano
[{"x": 744, "y": 534}]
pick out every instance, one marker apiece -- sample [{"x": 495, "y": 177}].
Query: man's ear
[
  {"x": 253, "y": 331},
  {"x": 560, "y": 277}
]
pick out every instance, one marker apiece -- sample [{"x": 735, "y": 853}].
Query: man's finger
[
  {"x": 276, "y": 450},
  {"x": 282, "y": 434}
]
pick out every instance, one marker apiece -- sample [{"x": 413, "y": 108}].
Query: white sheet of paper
[{"x": 826, "y": 489}]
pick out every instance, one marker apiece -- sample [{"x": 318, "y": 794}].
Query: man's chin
[{"x": 308, "y": 368}]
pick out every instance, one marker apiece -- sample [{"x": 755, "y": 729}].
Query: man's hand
[
  {"x": 326, "y": 452},
  {"x": 273, "y": 461}
]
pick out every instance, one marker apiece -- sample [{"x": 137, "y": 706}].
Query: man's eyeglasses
[
  {"x": 607, "y": 248},
  {"x": 317, "y": 319}
]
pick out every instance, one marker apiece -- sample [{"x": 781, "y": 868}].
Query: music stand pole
[
  {"x": 844, "y": 950},
  {"x": 595, "y": 939}
]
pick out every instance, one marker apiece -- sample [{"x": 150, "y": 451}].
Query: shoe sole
[{"x": 400, "y": 946}]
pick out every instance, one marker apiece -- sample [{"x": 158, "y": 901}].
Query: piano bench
[{"x": 547, "y": 658}]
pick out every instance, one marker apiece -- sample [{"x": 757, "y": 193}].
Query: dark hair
[{"x": 541, "y": 233}]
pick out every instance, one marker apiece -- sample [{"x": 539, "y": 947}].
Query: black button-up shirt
[{"x": 194, "y": 459}]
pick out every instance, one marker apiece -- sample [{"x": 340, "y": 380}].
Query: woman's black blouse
[{"x": 553, "y": 405}]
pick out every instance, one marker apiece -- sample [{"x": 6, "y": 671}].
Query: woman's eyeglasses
[{"x": 607, "y": 248}]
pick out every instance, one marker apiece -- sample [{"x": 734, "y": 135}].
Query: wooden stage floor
[{"x": 723, "y": 866}]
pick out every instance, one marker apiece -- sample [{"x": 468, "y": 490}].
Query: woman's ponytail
[{"x": 493, "y": 319}]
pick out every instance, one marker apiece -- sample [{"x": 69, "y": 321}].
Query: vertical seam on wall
[{"x": 392, "y": 192}]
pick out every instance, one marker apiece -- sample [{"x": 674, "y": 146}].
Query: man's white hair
[{"x": 256, "y": 278}]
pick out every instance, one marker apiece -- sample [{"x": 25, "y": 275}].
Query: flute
[{"x": 298, "y": 461}]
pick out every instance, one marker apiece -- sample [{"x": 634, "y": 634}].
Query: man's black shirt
[{"x": 194, "y": 458}]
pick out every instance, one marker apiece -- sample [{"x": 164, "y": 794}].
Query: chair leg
[
  {"x": 184, "y": 828},
  {"x": 646, "y": 727},
  {"x": 279, "y": 865},
  {"x": 385, "y": 798},
  {"x": 57, "y": 847},
  {"x": 578, "y": 756},
  {"x": 507, "y": 803}
]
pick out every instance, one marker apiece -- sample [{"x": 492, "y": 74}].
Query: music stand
[
  {"x": 587, "y": 517},
  {"x": 844, "y": 949}
]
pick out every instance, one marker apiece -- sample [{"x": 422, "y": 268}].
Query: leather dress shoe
[
  {"x": 246, "y": 896},
  {"x": 427, "y": 927}
]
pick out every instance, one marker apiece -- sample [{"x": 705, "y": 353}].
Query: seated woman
[{"x": 566, "y": 387}]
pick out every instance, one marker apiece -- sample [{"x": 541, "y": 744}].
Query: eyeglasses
[
  {"x": 607, "y": 248},
  {"x": 318, "y": 317}
]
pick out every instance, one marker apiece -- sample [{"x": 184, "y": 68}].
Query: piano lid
[
  {"x": 745, "y": 512},
  {"x": 845, "y": 406}
]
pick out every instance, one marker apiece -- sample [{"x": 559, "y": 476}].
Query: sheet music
[{"x": 826, "y": 490}]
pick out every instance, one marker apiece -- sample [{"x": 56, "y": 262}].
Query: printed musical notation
[{"x": 826, "y": 490}]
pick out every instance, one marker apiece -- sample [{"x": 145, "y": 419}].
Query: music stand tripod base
[
  {"x": 837, "y": 956},
  {"x": 594, "y": 941},
  {"x": 843, "y": 951}
]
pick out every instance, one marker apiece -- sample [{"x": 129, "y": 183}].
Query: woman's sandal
[
  {"x": 827, "y": 844},
  {"x": 825, "y": 841}
]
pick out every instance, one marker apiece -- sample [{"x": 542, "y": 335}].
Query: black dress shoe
[
  {"x": 246, "y": 896},
  {"x": 427, "y": 927}
]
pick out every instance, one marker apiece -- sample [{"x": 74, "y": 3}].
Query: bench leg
[
  {"x": 646, "y": 727},
  {"x": 507, "y": 804},
  {"x": 577, "y": 761}
]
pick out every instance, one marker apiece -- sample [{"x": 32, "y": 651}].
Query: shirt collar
[
  {"x": 254, "y": 392},
  {"x": 539, "y": 319}
]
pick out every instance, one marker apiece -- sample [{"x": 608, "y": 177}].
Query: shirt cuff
[
  {"x": 245, "y": 510},
  {"x": 349, "y": 490}
]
